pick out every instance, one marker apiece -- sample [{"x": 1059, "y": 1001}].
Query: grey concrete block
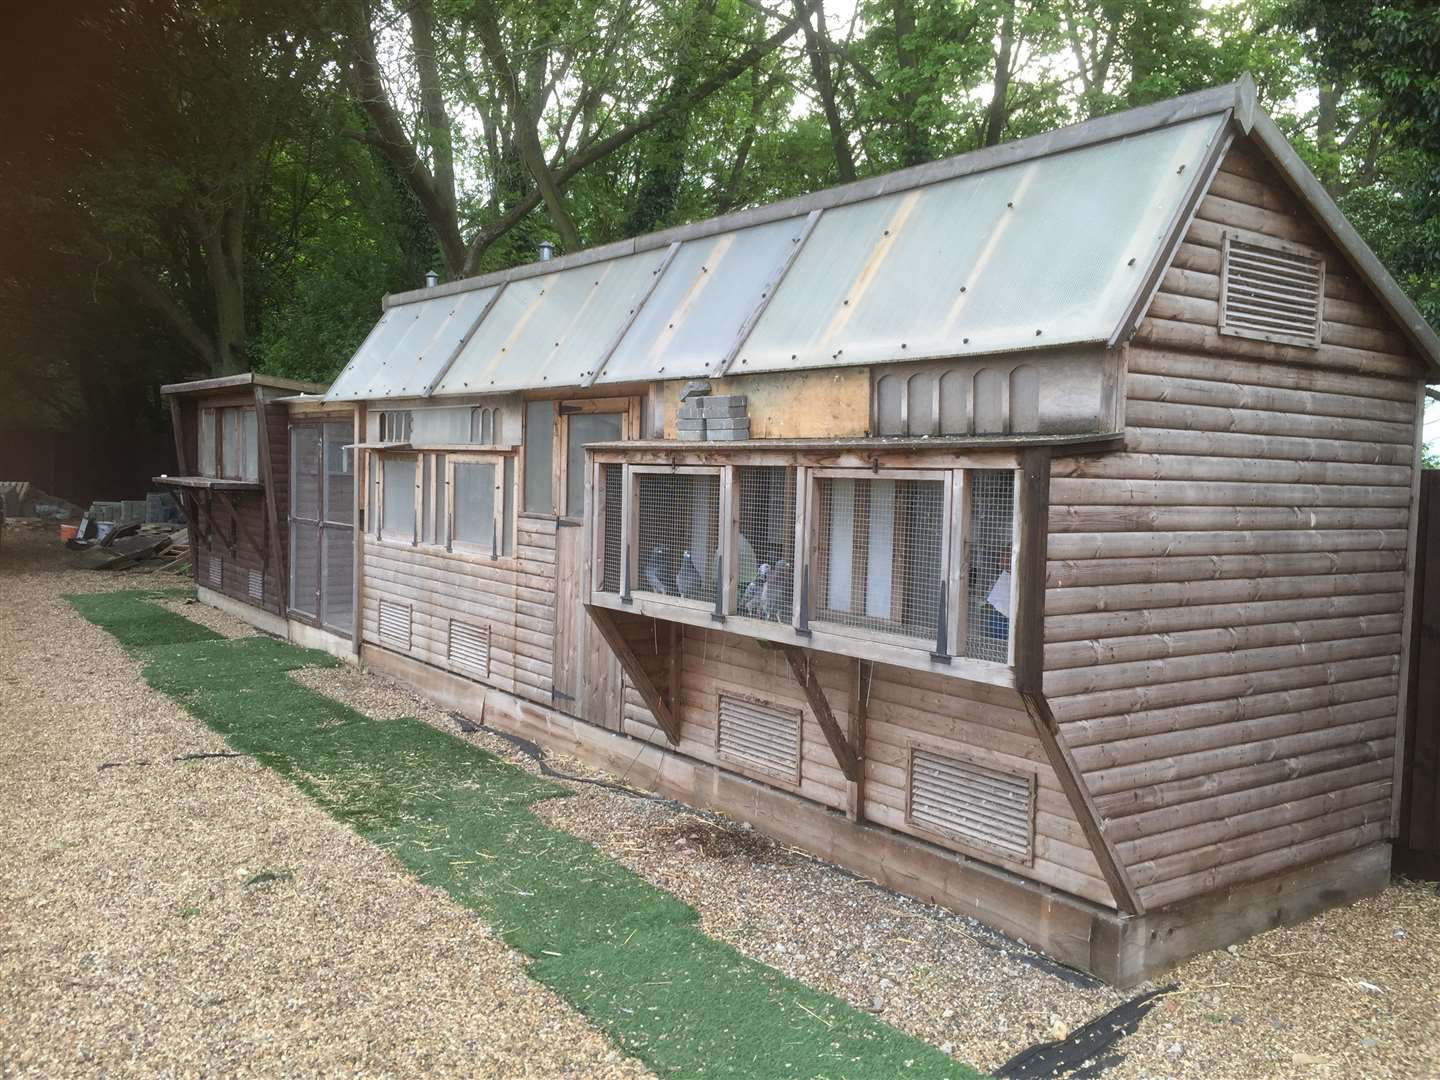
[
  {"x": 723, "y": 404},
  {"x": 691, "y": 411},
  {"x": 714, "y": 423},
  {"x": 685, "y": 435},
  {"x": 728, "y": 434},
  {"x": 687, "y": 424}
]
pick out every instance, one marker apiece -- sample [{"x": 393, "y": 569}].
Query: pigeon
[
  {"x": 655, "y": 569},
  {"x": 774, "y": 602},
  {"x": 687, "y": 581},
  {"x": 750, "y": 602}
]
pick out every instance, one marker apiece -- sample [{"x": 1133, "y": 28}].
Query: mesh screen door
[
  {"x": 305, "y": 511},
  {"x": 322, "y": 523}
]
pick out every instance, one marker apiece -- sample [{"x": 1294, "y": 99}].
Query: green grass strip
[{"x": 627, "y": 955}]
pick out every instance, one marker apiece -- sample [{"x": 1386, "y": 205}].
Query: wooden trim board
[{"x": 1121, "y": 949}]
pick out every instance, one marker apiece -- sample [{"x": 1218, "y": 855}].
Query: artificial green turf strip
[{"x": 627, "y": 955}]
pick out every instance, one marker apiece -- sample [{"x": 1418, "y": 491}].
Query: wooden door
[{"x": 587, "y": 679}]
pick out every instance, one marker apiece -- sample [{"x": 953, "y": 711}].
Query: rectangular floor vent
[
  {"x": 214, "y": 572},
  {"x": 470, "y": 648},
  {"x": 255, "y": 586},
  {"x": 759, "y": 735},
  {"x": 972, "y": 803},
  {"x": 395, "y": 625}
]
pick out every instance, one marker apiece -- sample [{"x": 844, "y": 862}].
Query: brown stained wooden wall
[
  {"x": 1225, "y": 597},
  {"x": 1417, "y": 848}
]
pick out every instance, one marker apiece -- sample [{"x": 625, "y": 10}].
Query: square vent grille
[
  {"x": 972, "y": 803},
  {"x": 255, "y": 586},
  {"x": 1272, "y": 291},
  {"x": 759, "y": 735},
  {"x": 469, "y": 650},
  {"x": 214, "y": 572},
  {"x": 395, "y": 625}
]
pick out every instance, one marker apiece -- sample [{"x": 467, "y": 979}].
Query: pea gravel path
[
  {"x": 1290, "y": 1003},
  {"x": 130, "y": 941}
]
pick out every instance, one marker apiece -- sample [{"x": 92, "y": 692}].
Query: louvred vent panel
[
  {"x": 469, "y": 649},
  {"x": 973, "y": 803},
  {"x": 760, "y": 735},
  {"x": 1273, "y": 293},
  {"x": 395, "y": 625}
]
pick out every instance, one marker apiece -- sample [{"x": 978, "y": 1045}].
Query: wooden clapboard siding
[
  {"x": 1225, "y": 596},
  {"x": 243, "y": 519},
  {"x": 438, "y": 588}
]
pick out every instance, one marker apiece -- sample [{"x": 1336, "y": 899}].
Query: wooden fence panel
[{"x": 1417, "y": 848}]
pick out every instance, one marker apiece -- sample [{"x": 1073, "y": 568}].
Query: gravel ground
[
  {"x": 1287, "y": 1003},
  {"x": 1356, "y": 992},
  {"x": 133, "y": 936}
]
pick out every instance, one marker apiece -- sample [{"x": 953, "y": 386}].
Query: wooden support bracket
[
  {"x": 237, "y": 526},
  {"x": 605, "y": 622},
  {"x": 804, "y": 673}
]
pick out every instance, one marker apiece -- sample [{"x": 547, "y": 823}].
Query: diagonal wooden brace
[
  {"x": 804, "y": 673},
  {"x": 635, "y": 671}
]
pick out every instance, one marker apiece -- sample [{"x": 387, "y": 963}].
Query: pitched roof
[
  {"x": 1058, "y": 239},
  {"x": 245, "y": 378}
]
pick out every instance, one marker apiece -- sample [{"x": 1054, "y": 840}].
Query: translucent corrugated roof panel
[
  {"x": 710, "y": 288},
  {"x": 408, "y": 347},
  {"x": 552, "y": 330},
  {"x": 1047, "y": 251}
]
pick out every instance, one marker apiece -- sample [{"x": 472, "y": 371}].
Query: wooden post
[
  {"x": 1027, "y": 628},
  {"x": 360, "y": 523},
  {"x": 859, "y": 704},
  {"x": 800, "y": 667},
  {"x": 189, "y": 501},
  {"x": 272, "y": 512}
]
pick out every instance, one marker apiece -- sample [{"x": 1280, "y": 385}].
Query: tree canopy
[{"x": 197, "y": 187}]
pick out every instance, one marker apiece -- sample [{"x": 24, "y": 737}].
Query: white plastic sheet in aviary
[
  {"x": 552, "y": 329},
  {"x": 1043, "y": 252},
  {"x": 409, "y": 347}
]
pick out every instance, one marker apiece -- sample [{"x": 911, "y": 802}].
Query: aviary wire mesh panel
[
  {"x": 972, "y": 803},
  {"x": 988, "y": 549},
  {"x": 1273, "y": 294},
  {"x": 878, "y": 555},
  {"x": 759, "y": 735},
  {"x": 612, "y": 479},
  {"x": 679, "y": 533},
  {"x": 766, "y": 495}
]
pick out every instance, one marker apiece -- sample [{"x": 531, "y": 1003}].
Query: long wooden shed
[{"x": 1028, "y": 530}]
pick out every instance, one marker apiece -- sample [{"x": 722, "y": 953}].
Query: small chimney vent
[
  {"x": 547, "y": 251},
  {"x": 431, "y": 279}
]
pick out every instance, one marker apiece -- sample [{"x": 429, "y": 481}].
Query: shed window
[
  {"x": 229, "y": 443},
  {"x": 1272, "y": 290},
  {"x": 475, "y": 521},
  {"x": 582, "y": 429},
  {"x": 879, "y": 554},
  {"x": 397, "y": 497}
]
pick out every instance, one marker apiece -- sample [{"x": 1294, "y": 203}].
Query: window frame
[
  {"x": 379, "y": 532},
  {"x": 465, "y": 547},
  {"x": 954, "y": 471},
  {"x": 248, "y": 443}
]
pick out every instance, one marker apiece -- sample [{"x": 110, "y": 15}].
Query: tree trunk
[
  {"x": 998, "y": 115},
  {"x": 434, "y": 123},
  {"x": 915, "y": 136},
  {"x": 825, "y": 86}
]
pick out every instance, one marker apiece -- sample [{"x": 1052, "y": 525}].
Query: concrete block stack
[{"x": 718, "y": 418}]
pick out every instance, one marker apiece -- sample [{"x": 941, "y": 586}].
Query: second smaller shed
[{"x": 232, "y": 449}]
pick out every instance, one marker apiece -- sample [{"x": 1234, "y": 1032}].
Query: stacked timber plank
[{"x": 1225, "y": 598}]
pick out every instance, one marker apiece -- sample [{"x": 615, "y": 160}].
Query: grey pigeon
[
  {"x": 750, "y": 602},
  {"x": 687, "y": 581},
  {"x": 655, "y": 570},
  {"x": 774, "y": 600}
]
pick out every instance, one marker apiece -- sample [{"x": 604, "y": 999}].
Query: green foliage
[{"x": 630, "y": 957}]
